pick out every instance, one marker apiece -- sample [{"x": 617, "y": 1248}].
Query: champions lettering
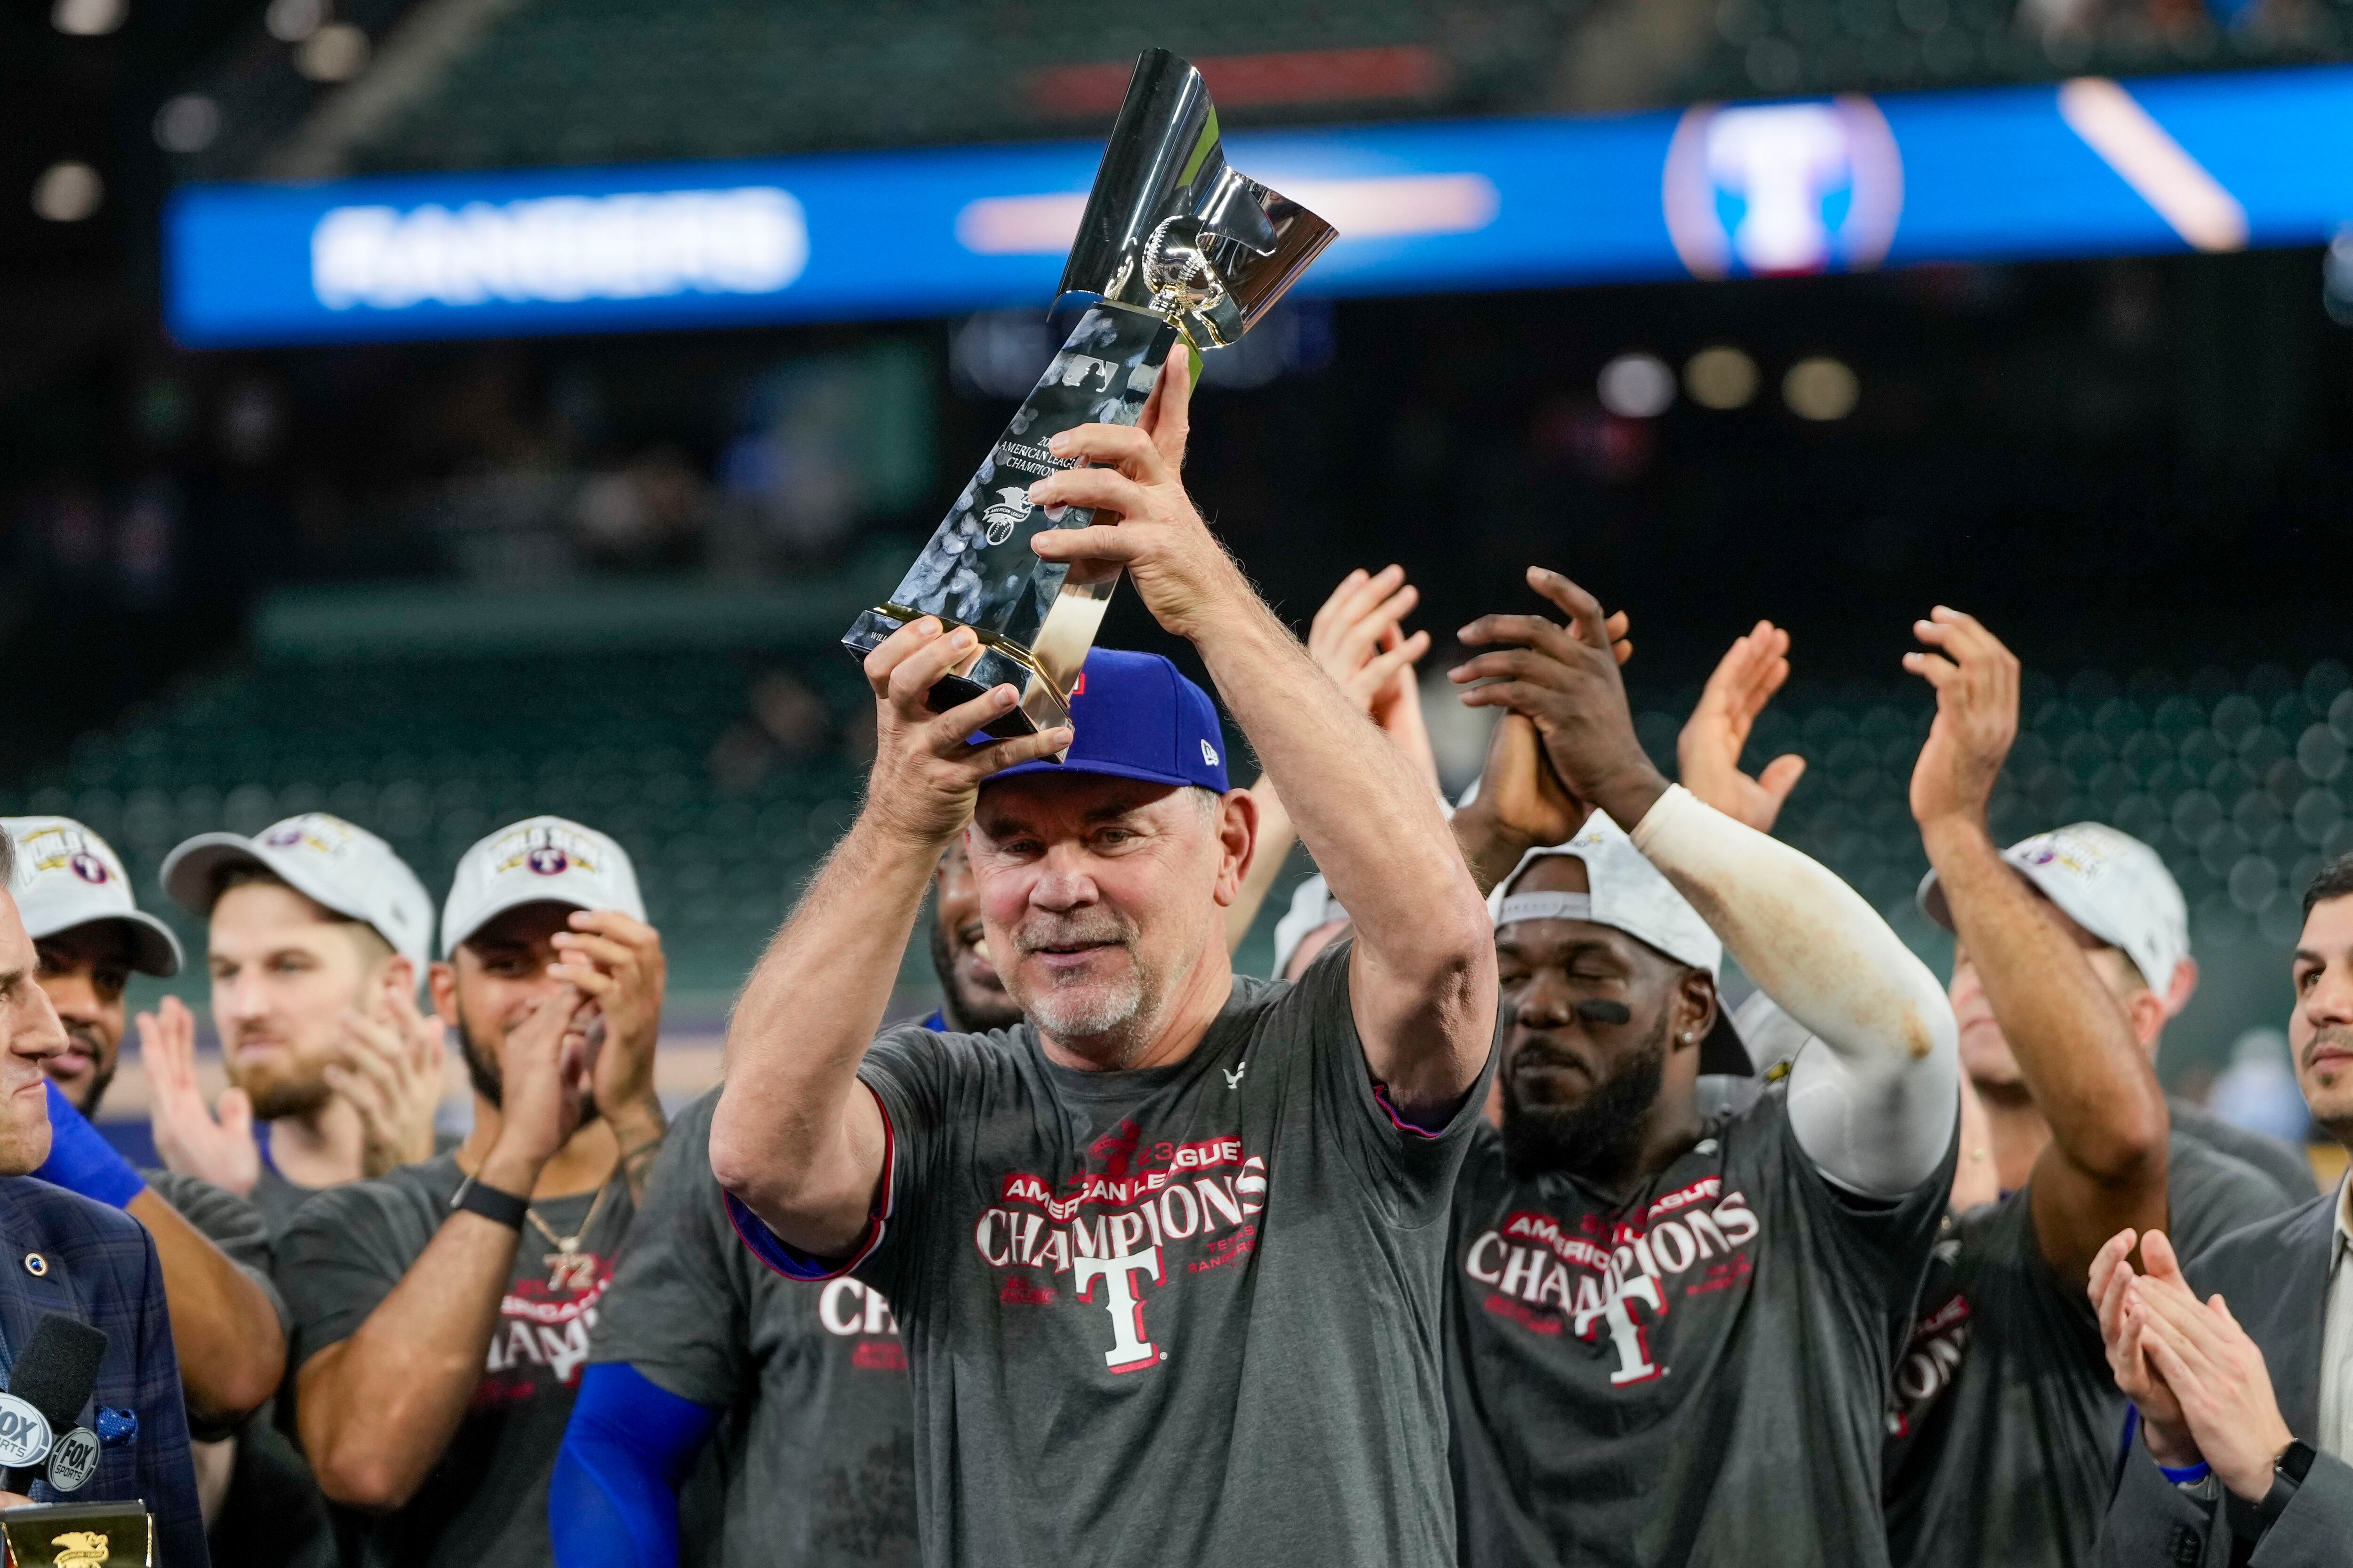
[
  {"x": 1939, "y": 1342},
  {"x": 1530, "y": 1259},
  {"x": 1110, "y": 1258}
]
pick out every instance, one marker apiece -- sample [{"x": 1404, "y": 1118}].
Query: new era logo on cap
[{"x": 1137, "y": 717}]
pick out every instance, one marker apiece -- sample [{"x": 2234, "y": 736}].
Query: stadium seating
[
  {"x": 2239, "y": 781},
  {"x": 618, "y": 80},
  {"x": 1773, "y": 46},
  {"x": 726, "y": 801},
  {"x": 434, "y": 752},
  {"x": 623, "y": 81}
]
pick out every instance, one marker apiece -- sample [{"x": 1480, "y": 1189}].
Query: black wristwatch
[
  {"x": 505, "y": 1208},
  {"x": 2251, "y": 1520}
]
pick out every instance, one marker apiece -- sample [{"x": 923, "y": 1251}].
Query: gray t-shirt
[
  {"x": 485, "y": 1501},
  {"x": 1691, "y": 1373},
  {"x": 2284, "y": 1164},
  {"x": 2004, "y": 1421},
  {"x": 1184, "y": 1314},
  {"x": 279, "y": 1199},
  {"x": 817, "y": 1448}
]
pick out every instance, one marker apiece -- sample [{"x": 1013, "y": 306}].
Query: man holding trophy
[{"x": 1175, "y": 1222}]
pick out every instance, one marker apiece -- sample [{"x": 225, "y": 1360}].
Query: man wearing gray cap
[
  {"x": 2004, "y": 1420},
  {"x": 316, "y": 937},
  {"x": 1670, "y": 1328},
  {"x": 442, "y": 1311}
]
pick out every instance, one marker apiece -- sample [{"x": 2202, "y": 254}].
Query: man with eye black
[{"x": 1672, "y": 1316}]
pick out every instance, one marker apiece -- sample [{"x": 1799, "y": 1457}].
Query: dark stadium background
[{"x": 435, "y": 586}]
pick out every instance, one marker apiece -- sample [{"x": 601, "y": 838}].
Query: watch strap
[
  {"x": 500, "y": 1207},
  {"x": 2251, "y": 1520}
]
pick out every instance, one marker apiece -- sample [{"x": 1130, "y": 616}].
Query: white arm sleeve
[{"x": 1873, "y": 1103}]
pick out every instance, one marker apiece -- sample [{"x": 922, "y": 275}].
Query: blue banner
[{"x": 2088, "y": 168}]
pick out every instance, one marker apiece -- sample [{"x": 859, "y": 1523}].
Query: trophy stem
[{"x": 1035, "y": 619}]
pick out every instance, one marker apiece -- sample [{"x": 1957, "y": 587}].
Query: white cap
[
  {"x": 347, "y": 869},
  {"x": 1627, "y": 892},
  {"x": 1630, "y": 893},
  {"x": 539, "y": 860},
  {"x": 68, "y": 876},
  {"x": 2110, "y": 883},
  {"x": 1313, "y": 907}
]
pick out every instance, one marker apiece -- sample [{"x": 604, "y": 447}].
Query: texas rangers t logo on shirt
[{"x": 1109, "y": 1230}]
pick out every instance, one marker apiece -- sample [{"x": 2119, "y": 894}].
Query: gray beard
[{"x": 1092, "y": 1018}]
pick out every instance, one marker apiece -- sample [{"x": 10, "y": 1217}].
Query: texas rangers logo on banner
[{"x": 1774, "y": 189}]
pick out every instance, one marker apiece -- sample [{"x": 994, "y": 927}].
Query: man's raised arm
[
  {"x": 2104, "y": 1168},
  {"x": 793, "y": 1136},
  {"x": 1422, "y": 977},
  {"x": 1875, "y": 1108}
]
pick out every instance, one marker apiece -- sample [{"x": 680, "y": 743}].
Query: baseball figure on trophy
[{"x": 1175, "y": 244}]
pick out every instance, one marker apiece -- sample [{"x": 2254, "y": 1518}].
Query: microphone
[{"x": 51, "y": 1383}]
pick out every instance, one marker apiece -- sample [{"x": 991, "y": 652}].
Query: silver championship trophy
[{"x": 1174, "y": 244}]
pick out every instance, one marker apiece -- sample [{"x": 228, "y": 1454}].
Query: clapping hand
[
  {"x": 1564, "y": 680},
  {"x": 616, "y": 962},
  {"x": 1521, "y": 801},
  {"x": 1976, "y": 680},
  {"x": 543, "y": 1066},
  {"x": 2198, "y": 1378},
  {"x": 1358, "y": 639},
  {"x": 1708, "y": 751},
  {"x": 188, "y": 1137},
  {"x": 389, "y": 1067}
]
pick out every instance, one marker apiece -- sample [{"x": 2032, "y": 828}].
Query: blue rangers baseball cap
[{"x": 1137, "y": 717}]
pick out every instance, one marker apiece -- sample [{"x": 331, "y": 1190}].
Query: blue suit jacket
[{"x": 99, "y": 1265}]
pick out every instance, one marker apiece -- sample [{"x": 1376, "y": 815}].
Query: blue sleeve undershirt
[{"x": 613, "y": 1501}]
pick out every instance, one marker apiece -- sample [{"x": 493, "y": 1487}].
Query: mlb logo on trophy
[
  {"x": 1012, "y": 506},
  {"x": 1781, "y": 188}
]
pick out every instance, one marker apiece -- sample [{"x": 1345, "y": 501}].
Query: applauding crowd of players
[{"x": 1487, "y": 1232}]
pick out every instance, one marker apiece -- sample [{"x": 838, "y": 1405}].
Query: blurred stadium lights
[
  {"x": 1820, "y": 389},
  {"x": 87, "y": 18},
  {"x": 1721, "y": 377},
  {"x": 188, "y": 123},
  {"x": 2090, "y": 168},
  {"x": 292, "y": 21},
  {"x": 1396, "y": 72},
  {"x": 336, "y": 52},
  {"x": 1635, "y": 386},
  {"x": 67, "y": 191}
]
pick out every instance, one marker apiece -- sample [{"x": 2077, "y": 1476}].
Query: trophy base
[{"x": 993, "y": 664}]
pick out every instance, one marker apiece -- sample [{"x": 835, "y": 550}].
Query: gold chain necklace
[{"x": 568, "y": 1268}]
